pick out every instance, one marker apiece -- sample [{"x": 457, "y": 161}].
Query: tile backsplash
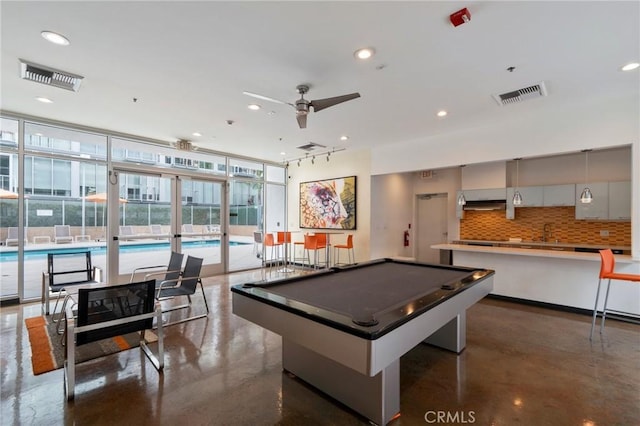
[{"x": 530, "y": 221}]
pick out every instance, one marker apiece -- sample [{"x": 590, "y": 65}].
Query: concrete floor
[{"x": 522, "y": 365}]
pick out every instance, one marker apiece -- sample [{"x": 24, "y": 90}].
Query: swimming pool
[{"x": 12, "y": 256}]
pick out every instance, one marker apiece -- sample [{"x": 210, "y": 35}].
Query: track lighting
[{"x": 312, "y": 157}]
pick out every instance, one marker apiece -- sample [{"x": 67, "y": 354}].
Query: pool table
[{"x": 344, "y": 329}]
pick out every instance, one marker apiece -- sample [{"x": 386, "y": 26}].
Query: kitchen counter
[
  {"x": 541, "y": 250},
  {"x": 557, "y": 277},
  {"x": 545, "y": 245}
]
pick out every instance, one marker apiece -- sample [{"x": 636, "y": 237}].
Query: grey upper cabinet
[
  {"x": 485, "y": 194},
  {"x": 559, "y": 195},
  {"x": 598, "y": 209},
  {"x": 531, "y": 196},
  {"x": 620, "y": 200}
]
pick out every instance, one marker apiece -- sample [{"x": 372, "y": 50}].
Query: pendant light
[
  {"x": 586, "y": 196},
  {"x": 517, "y": 197},
  {"x": 461, "y": 200}
]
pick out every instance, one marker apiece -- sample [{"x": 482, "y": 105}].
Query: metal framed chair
[
  {"x": 171, "y": 271},
  {"x": 104, "y": 312},
  {"x": 311, "y": 243},
  {"x": 183, "y": 286},
  {"x": 269, "y": 241},
  {"x": 351, "y": 254},
  {"x": 257, "y": 244},
  {"x": 607, "y": 265}
]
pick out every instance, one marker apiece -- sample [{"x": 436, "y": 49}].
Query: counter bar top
[{"x": 550, "y": 253}]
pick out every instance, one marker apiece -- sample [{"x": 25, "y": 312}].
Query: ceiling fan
[{"x": 302, "y": 105}]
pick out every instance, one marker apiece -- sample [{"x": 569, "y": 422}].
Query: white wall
[
  {"x": 392, "y": 203},
  {"x": 572, "y": 129},
  {"x": 341, "y": 164}
]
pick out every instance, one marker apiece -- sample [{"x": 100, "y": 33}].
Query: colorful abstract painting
[{"x": 328, "y": 204}]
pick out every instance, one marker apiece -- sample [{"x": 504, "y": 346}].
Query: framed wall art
[{"x": 328, "y": 204}]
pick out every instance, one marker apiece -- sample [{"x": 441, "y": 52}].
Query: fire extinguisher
[{"x": 406, "y": 238}]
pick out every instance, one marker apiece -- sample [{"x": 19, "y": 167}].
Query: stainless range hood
[{"x": 485, "y": 205}]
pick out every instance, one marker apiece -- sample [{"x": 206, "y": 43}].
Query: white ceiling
[{"x": 188, "y": 63}]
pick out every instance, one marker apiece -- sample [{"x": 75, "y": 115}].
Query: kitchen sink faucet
[{"x": 546, "y": 232}]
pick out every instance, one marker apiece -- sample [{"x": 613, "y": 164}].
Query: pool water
[{"x": 12, "y": 256}]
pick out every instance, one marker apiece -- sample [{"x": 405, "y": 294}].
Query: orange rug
[{"x": 47, "y": 352}]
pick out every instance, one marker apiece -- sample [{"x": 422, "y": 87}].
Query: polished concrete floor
[{"x": 522, "y": 365}]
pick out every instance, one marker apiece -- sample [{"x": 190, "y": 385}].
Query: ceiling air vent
[
  {"x": 521, "y": 95},
  {"x": 311, "y": 146},
  {"x": 49, "y": 76}
]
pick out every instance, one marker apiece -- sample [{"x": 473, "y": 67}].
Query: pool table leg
[
  {"x": 451, "y": 336},
  {"x": 377, "y": 398}
]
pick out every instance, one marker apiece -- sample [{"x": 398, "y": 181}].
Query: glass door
[
  {"x": 202, "y": 228},
  {"x": 159, "y": 214}
]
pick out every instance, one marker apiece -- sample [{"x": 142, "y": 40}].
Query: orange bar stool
[
  {"x": 351, "y": 254},
  {"x": 311, "y": 243},
  {"x": 284, "y": 239},
  {"x": 322, "y": 244},
  {"x": 608, "y": 263},
  {"x": 297, "y": 244},
  {"x": 269, "y": 241}
]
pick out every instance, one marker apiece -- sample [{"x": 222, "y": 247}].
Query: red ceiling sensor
[{"x": 460, "y": 17}]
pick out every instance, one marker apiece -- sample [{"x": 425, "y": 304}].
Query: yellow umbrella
[{"x": 7, "y": 195}]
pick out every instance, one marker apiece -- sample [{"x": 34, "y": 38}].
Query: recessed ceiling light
[
  {"x": 283, "y": 153},
  {"x": 442, "y": 113},
  {"x": 196, "y": 134},
  {"x": 55, "y": 38},
  {"x": 44, "y": 100},
  {"x": 364, "y": 53},
  {"x": 254, "y": 107},
  {"x": 631, "y": 66},
  {"x": 344, "y": 138}
]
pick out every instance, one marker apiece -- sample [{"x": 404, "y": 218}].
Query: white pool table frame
[{"x": 363, "y": 374}]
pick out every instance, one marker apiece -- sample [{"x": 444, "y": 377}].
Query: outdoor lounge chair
[
  {"x": 62, "y": 234},
  {"x": 156, "y": 232},
  {"x": 187, "y": 230},
  {"x": 12, "y": 236},
  {"x": 185, "y": 285}
]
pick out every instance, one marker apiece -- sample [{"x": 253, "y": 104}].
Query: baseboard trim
[{"x": 563, "y": 308}]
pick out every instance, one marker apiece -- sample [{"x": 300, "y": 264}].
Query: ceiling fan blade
[
  {"x": 302, "y": 120},
  {"x": 320, "y": 104},
  {"x": 266, "y": 98}
]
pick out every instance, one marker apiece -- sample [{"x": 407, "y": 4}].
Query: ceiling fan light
[
  {"x": 517, "y": 198},
  {"x": 586, "y": 196}
]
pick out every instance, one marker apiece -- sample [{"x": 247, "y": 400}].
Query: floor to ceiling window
[{"x": 70, "y": 189}]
